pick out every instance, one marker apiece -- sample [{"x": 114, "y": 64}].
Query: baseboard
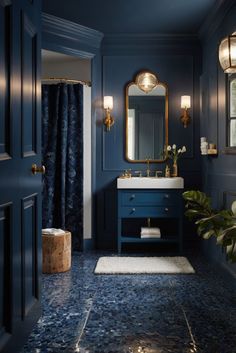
[
  {"x": 229, "y": 273},
  {"x": 88, "y": 244},
  {"x": 22, "y": 331},
  {"x": 216, "y": 256}
]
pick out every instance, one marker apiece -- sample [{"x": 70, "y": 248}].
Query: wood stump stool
[{"x": 56, "y": 252}]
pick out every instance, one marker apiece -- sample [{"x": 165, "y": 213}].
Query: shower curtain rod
[{"x": 60, "y": 79}]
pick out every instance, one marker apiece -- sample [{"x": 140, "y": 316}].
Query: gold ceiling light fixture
[
  {"x": 227, "y": 54},
  {"x": 146, "y": 81}
]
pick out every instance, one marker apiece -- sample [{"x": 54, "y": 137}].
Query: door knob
[{"x": 35, "y": 169}]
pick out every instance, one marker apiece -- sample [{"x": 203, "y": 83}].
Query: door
[{"x": 20, "y": 190}]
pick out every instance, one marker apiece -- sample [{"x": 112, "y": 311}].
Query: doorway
[{"x": 61, "y": 69}]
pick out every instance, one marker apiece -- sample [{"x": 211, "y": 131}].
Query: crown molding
[
  {"x": 148, "y": 42},
  {"x": 65, "y": 29},
  {"x": 150, "y": 37},
  {"x": 215, "y": 17}
]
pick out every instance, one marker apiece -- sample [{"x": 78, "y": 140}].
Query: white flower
[
  {"x": 168, "y": 148},
  {"x": 174, "y": 147},
  {"x": 180, "y": 151},
  {"x": 183, "y": 149}
]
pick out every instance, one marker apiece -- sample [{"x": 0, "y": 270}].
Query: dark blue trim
[
  {"x": 217, "y": 258},
  {"x": 71, "y": 31},
  {"x": 88, "y": 244},
  {"x": 48, "y": 45},
  {"x": 133, "y": 44},
  {"x": 72, "y": 39}
]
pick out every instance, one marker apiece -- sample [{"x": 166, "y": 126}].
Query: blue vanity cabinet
[{"x": 165, "y": 204}]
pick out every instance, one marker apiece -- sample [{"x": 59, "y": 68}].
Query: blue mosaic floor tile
[{"x": 87, "y": 313}]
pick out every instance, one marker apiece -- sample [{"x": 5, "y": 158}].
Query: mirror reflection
[
  {"x": 146, "y": 119},
  {"x": 232, "y": 110}
]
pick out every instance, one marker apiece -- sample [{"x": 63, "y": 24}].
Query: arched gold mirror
[{"x": 146, "y": 118}]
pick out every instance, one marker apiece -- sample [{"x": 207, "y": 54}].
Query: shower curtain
[{"x": 62, "y": 151}]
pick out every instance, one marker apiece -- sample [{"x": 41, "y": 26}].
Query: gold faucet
[
  {"x": 128, "y": 173},
  {"x": 138, "y": 172},
  {"x": 148, "y": 169},
  {"x": 158, "y": 172}
]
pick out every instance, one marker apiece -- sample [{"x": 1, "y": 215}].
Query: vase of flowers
[
  {"x": 172, "y": 152},
  {"x": 174, "y": 169}
]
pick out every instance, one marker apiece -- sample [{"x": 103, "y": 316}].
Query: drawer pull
[
  {"x": 167, "y": 196},
  {"x": 166, "y": 209},
  {"x": 132, "y": 197},
  {"x": 133, "y": 210}
]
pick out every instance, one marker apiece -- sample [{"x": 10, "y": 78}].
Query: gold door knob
[{"x": 35, "y": 169}]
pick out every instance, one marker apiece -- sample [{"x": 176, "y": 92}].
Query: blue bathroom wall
[
  {"x": 176, "y": 62},
  {"x": 218, "y": 173}
]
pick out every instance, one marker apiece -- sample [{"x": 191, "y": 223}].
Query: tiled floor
[{"x": 88, "y": 313}]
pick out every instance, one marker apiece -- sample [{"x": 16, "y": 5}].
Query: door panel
[
  {"x": 20, "y": 190},
  {"x": 5, "y": 83},
  {"x": 29, "y": 253},
  {"x": 5, "y": 271},
  {"x": 29, "y": 63}
]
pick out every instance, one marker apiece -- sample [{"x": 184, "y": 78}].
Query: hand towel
[
  {"x": 150, "y": 230},
  {"x": 150, "y": 236},
  {"x": 52, "y": 231}
]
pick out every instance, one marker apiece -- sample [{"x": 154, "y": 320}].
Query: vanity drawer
[
  {"x": 149, "y": 211},
  {"x": 149, "y": 198}
]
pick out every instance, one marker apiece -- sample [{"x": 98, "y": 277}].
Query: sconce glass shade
[
  {"x": 146, "y": 81},
  {"x": 185, "y": 102},
  {"x": 108, "y": 102},
  {"x": 227, "y": 54}
]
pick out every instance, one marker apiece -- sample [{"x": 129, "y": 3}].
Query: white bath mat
[{"x": 133, "y": 265}]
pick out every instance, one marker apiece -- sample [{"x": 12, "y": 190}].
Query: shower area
[{"x": 66, "y": 145}]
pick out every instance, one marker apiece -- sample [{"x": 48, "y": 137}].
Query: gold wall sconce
[
  {"x": 108, "y": 106},
  {"x": 227, "y": 54},
  {"x": 185, "y": 105}
]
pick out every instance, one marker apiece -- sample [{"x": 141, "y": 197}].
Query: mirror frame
[
  {"x": 228, "y": 149},
  {"x": 126, "y": 118}
]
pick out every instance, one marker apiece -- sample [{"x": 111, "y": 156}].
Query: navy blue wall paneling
[
  {"x": 218, "y": 173},
  {"x": 178, "y": 65}
]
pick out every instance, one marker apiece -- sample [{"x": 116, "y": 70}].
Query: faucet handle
[
  {"x": 158, "y": 172},
  {"x": 139, "y": 172},
  {"x": 126, "y": 174}
]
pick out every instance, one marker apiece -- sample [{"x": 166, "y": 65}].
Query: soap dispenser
[{"x": 167, "y": 171}]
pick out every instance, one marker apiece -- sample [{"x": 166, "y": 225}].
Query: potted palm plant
[{"x": 220, "y": 224}]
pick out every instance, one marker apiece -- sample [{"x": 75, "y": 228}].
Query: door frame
[{"x": 72, "y": 39}]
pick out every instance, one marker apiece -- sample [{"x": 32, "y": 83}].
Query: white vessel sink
[{"x": 150, "y": 183}]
